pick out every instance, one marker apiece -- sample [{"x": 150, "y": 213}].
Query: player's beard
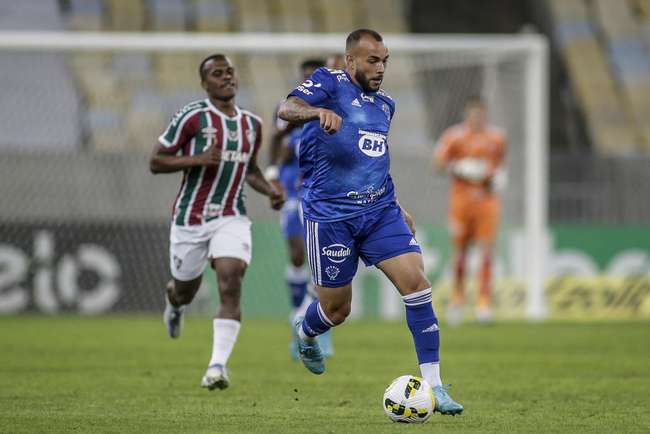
[{"x": 364, "y": 82}]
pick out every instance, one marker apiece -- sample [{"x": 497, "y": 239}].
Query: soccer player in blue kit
[
  {"x": 349, "y": 204},
  {"x": 283, "y": 150}
]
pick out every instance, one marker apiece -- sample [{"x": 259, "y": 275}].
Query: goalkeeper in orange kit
[{"x": 472, "y": 152}]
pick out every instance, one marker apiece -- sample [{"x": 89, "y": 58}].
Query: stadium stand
[
  {"x": 124, "y": 94},
  {"x": 25, "y": 93},
  {"x": 339, "y": 15},
  {"x": 609, "y": 67},
  {"x": 125, "y": 15},
  {"x": 607, "y": 119},
  {"x": 380, "y": 14},
  {"x": 295, "y": 16},
  {"x": 167, "y": 15},
  {"x": 86, "y": 15},
  {"x": 213, "y": 16},
  {"x": 604, "y": 45}
]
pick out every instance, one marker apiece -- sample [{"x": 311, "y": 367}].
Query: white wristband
[{"x": 271, "y": 173}]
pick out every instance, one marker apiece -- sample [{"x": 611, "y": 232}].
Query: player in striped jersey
[{"x": 215, "y": 144}]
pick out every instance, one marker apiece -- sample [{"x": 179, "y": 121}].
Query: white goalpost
[{"x": 429, "y": 76}]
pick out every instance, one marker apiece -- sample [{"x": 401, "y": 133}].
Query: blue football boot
[
  {"x": 444, "y": 403},
  {"x": 309, "y": 351}
]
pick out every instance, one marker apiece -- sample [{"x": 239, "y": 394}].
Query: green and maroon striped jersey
[{"x": 207, "y": 193}]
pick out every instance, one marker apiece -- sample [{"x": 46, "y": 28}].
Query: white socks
[
  {"x": 297, "y": 274},
  {"x": 431, "y": 373},
  {"x": 303, "y": 336},
  {"x": 225, "y": 336}
]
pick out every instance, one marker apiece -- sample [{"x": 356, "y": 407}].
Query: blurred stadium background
[{"x": 84, "y": 225}]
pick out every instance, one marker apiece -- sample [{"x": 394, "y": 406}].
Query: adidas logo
[
  {"x": 432, "y": 328},
  {"x": 356, "y": 103},
  {"x": 413, "y": 242}
]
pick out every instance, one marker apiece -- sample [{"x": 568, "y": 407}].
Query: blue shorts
[
  {"x": 290, "y": 219},
  {"x": 334, "y": 248}
]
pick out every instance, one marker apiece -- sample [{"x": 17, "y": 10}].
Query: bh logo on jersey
[
  {"x": 336, "y": 253},
  {"x": 372, "y": 144}
]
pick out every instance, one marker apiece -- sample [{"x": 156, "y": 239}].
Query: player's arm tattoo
[{"x": 296, "y": 111}]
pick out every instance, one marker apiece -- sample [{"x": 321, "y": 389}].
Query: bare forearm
[
  {"x": 258, "y": 182},
  {"x": 276, "y": 154},
  {"x": 274, "y": 148},
  {"x": 297, "y": 111}
]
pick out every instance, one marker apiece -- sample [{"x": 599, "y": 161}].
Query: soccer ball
[{"x": 409, "y": 399}]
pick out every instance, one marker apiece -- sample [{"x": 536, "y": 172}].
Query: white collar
[{"x": 220, "y": 113}]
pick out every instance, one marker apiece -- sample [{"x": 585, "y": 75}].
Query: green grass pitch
[{"x": 122, "y": 374}]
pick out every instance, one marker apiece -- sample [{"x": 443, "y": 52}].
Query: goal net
[{"x": 84, "y": 224}]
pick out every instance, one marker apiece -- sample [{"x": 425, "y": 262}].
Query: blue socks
[
  {"x": 297, "y": 278},
  {"x": 315, "y": 322},
  {"x": 423, "y": 325}
]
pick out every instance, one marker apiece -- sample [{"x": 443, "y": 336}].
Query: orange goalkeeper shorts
[{"x": 473, "y": 218}]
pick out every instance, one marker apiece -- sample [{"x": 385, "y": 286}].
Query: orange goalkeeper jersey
[{"x": 459, "y": 142}]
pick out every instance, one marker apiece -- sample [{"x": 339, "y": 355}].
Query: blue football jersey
[
  {"x": 345, "y": 174},
  {"x": 289, "y": 174}
]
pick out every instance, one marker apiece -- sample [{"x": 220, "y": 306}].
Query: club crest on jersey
[
  {"x": 372, "y": 144},
  {"x": 386, "y": 110},
  {"x": 209, "y": 133},
  {"x": 336, "y": 253},
  {"x": 232, "y": 135},
  {"x": 332, "y": 272}
]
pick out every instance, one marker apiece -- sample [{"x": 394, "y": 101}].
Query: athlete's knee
[
  {"x": 183, "y": 292},
  {"x": 424, "y": 283},
  {"x": 461, "y": 249},
  {"x": 229, "y": 284},
  {"x": 413, "y": 281},
  {"x": 297, "y": 252},
  {"x": 230, "y": 272},
  {"x": 337, "y": 312},
  {"x": 297, "y": 258},
  {"x": 229, "y": 298},
  {"x": 486, "y": 248}
]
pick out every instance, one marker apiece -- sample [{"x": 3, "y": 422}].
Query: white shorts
[{"x": 191, "y": 246}]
